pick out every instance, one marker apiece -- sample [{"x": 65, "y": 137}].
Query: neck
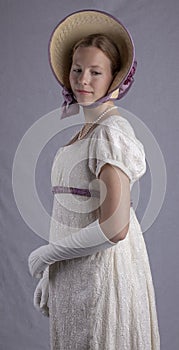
[{"x": 92, "y": 114}]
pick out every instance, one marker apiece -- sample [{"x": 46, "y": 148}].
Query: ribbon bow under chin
[{"x": 70, "y": 105}]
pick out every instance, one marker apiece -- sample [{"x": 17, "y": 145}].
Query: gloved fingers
[
  {"x": 41, "y": 295},
  {"x": 45, "y": 311},
  {"x": 44, "y": 296},
  {"x": 37, "y": 298},
  {"x": 39, "y": 304}
]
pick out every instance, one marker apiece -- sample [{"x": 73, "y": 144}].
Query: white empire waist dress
[{"x": 104, "y": 301}]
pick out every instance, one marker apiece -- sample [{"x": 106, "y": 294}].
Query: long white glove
[
  {"x": 41, "y": 294},
  {"x": 89, "y": 240}
]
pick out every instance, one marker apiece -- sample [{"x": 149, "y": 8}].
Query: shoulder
[{"x": 115, "y": 127}]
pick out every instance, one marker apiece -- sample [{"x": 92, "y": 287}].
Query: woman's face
[{"x": 90, "y": 74}]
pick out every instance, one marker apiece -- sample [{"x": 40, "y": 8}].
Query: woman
[{"x": 101, "y": 293}]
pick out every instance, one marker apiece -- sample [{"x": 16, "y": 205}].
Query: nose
[{"x": 83, "y": 78}]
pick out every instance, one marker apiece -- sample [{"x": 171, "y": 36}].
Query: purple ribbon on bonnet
[{"x": 71, "y": 107}]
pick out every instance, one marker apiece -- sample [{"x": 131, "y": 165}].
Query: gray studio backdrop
[{"x": 28, "y": 92}]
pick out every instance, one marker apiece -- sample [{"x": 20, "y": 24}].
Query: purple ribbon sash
[
  {"x": 74, "y": 190},
  {"x": 78, "y": 191}
]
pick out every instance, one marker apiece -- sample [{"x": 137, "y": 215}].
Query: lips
[{"x": 83, "y": 92}]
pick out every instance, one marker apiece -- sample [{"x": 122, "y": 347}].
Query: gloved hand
[
  {"x": 41, "y": 294},
  {"x": 89, "y": 240}
]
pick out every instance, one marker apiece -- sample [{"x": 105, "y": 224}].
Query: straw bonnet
[{"x": 79, "y": 25}]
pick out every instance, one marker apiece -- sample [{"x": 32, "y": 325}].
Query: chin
[{"x": 84, "y": 104}]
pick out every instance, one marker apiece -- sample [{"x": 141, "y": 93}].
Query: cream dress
[{"x": 103, "y": 301}]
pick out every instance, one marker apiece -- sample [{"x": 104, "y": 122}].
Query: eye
[
  {"x": 96, "y": 73},
  {"x": 77, "y": 70}
]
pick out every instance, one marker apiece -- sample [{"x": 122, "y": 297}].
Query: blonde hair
[{"x": 106, "y": 45}]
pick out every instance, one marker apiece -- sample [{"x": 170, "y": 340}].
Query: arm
[
  {"x": 97, "y": 236},
  {"x": 115, "y": 209}
]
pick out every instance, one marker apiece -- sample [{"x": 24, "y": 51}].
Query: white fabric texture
[
  {"x": 115, "y": 141},
  {"x": 106, "y": 300}
]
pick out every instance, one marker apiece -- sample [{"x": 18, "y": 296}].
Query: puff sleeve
[{"x": 114, "y": 142}]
